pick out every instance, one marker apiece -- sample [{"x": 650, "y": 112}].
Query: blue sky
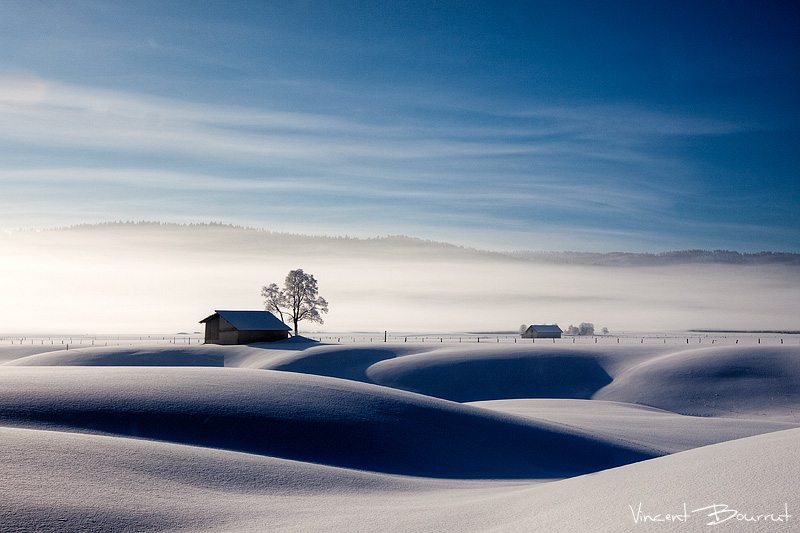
[{"x": 589, "y": 126}]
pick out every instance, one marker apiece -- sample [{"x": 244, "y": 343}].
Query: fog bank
[{"x": 164, "y": 278}]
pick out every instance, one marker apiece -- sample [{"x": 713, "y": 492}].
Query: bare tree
[{"x": 298, "y": 300}]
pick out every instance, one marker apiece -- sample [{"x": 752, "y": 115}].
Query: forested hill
[
  {"x": 226, "y": 238},
  {"x": 663, "y": 258}
]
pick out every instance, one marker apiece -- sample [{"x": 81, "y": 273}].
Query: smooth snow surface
[
  {"x": 653, "y": 428},
  {"x": 473, "y": 374},
  {"x": 305, "y": 436},
  {"x": 309, "y": 418},
  {"x": 736, "y": 381}
]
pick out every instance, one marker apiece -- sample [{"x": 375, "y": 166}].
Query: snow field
[{"x": 306, "y": 436}]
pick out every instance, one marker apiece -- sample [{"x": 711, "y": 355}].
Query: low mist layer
[{"x": 165, "y": 278}]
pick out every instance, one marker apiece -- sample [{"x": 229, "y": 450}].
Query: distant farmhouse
[
  {"x": 244, "y": 327},
  {"x": 542, "y": 332}
]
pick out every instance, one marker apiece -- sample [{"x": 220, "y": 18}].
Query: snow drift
[
  {"x": 301, "y": 417},
  {"x": 56, "y": 481},
  {"x": 473, "y": 374},
  {"x": 212, "y": 438},
  {"x": 732, "y": 381}
]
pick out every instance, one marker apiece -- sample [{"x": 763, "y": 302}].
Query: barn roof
[
  {"x": 251, "y": 320},
  {"x": 542, "y": 328}
]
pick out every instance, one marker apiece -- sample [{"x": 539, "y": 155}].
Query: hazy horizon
[{"x": 142, "y": 278}]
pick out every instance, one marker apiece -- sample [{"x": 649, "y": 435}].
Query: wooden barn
[
  {"x": 542, "y": 331},
  {"x": 244, "y": 327}
]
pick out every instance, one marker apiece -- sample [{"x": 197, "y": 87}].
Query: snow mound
[
  {"x": 647, "y": 426},
  {"x": 295, "y": 354},
  {"x": 728, "y": 381},
  {"x": 473, "y": 374},
  {"x": 753, "y": 476},
  {"x": 69, "y": 482},
  {"x": 9, "y": 353},
  {"x": 257, "y": 355},
  {"x": 337, "y": 361},
  {"x": 60, "y": 481},
  {"x": 126, "y": 356},
  {"x": 302, "y": 417}
]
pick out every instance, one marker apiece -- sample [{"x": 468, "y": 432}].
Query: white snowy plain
[{"x": 305, "y": 436}]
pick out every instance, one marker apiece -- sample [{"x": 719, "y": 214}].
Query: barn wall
[
  {"x": 247, "y": 337},
  {"x": 227, "y": 333},
  {"x": 229, "y": 337},
  {"x": 212, "y": 330}
]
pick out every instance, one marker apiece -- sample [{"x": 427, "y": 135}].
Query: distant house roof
[
  {"x": 251, "y": 320},
  {"x": 547, "y": 328}
]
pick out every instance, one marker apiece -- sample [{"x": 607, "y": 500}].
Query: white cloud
[
  {"x": 22, "y": 90},
  {"x": 84, "y": 117}
]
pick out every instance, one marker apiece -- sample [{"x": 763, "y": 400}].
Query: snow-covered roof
[
  {"x": 543, "y": 328},
  {"x": 251, "y": 320}
]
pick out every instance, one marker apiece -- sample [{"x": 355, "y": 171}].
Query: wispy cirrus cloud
[
  {"x": 550, "y": 167},
  {"x": 49, "y": 113}
]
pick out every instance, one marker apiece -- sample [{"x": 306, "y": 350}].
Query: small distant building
[
  {"x": 244, "y": 327},
  {"x": 542, "y": 332}
]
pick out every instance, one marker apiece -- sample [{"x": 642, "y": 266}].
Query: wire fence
[
  {"x": 83, "y": 341},
  {"x": 691, "y": 339},
  {"x": 677, "y": 339}
]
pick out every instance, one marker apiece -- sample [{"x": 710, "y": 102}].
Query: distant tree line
[
  {"x": 584, "y": 328},
  {"x": 628, "y": 259}
]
